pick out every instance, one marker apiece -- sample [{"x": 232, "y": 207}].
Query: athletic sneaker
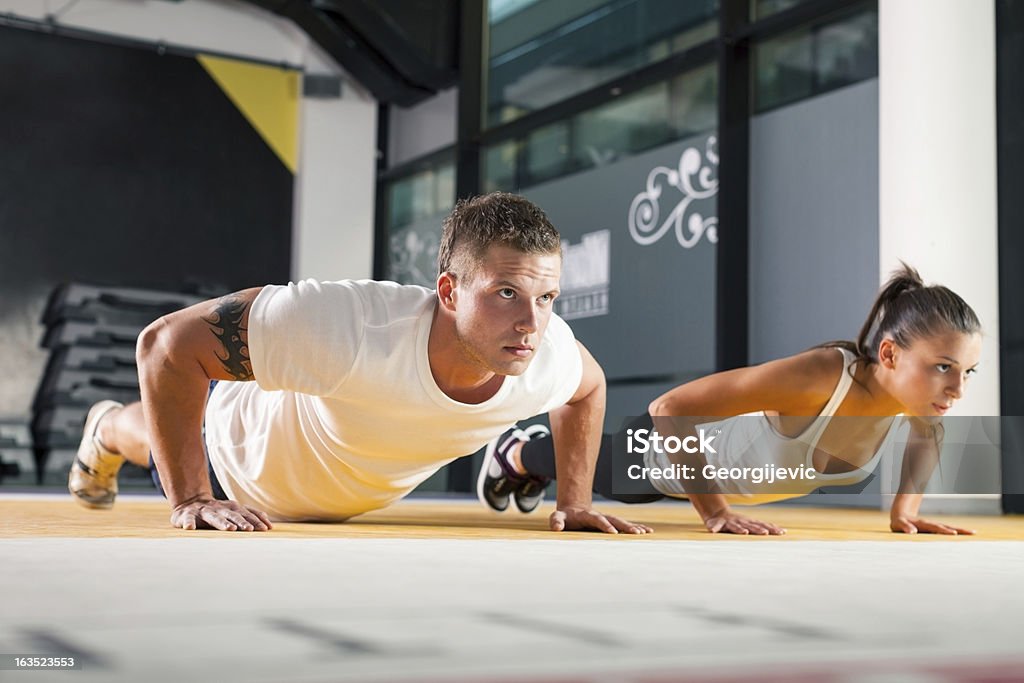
[
  {"x": 530, "y": 493},
  {"x": 93, "y": 477},
  {"x": 497, "y": 480}
]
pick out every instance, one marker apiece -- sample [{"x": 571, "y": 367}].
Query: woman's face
[{"x": 929, "y": 376}]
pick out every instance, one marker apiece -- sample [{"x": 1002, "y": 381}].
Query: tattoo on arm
[{"x": 226, "y": 326}]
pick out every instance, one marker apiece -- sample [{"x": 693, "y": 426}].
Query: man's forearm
[
  {"x": 173, "y": 401},
  {"x": 576, "y": 429}
]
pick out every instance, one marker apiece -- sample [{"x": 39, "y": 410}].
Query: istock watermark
[
  {"x": 784, "y": 457},
  {"x": 643, "y": 440}
]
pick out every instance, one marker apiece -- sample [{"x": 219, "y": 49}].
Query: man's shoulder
[
  {"x": 558, "y": 349},
  {"x": 370, "y": 301},
  {"x": 369, "y": 291},
  {"x": 558, "y": 335},
  {"x": 391, "y": 299},
  {"x": 382, "y": 288},
  {"x": 554, "y": 375}
]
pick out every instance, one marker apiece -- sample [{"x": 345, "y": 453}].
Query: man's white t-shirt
[{"x": 345, "y": 416}]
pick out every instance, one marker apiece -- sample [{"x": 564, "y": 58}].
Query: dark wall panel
[
  {"x": 123, "y": 167},
  {"x": 1010, "y": 160}
]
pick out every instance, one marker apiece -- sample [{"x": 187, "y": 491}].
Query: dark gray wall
[
  {"x": 814, "y": 231},
  {"x": 660, "y": 296},
  {"x": 813, "y": 221}
]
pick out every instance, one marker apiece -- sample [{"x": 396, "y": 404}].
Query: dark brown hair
[
  {"x": 906, "y": 310},
  {"x": 496, "y": 218}
]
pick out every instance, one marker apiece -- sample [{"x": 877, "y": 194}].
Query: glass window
[
  {"x": 630, "y": 123},
  {"x": 444, "y": 188},
  {"x": 693, "y": 101},
  {"x": 411, "y": 198},
  {"x": 847, "y": 51},
  {"x": 500, "y": 166},
  {"x": 785, "y": 69},
  {"x": 544, "y": 51},
  {"x": 420, "y": 195},
  {"x": 682, "y": 106},
  {"x": 416, "y": 205},
  {"x": 546, "y": 153},
  {"x": 816, "y": 59},
  {"x": 765, "y": 8}
]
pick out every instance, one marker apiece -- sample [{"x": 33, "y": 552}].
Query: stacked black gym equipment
[
  {"x": 91, "y": 334},
  {"x": 17, "y": 464}
]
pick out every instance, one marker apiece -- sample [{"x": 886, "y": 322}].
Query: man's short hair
[{"x": 496, "y": 218}]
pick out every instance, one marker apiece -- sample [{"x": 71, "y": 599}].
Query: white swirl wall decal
[{"x": 645, "y": 224}]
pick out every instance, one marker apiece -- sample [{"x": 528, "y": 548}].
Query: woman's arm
[
  {"x": 797, "y": 385},
  {"x": 919, "y": 461}
]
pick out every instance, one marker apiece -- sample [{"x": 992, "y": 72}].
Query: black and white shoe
[
  {"x": 530, "y": 492},
  {"x": 497, "y": 480}
]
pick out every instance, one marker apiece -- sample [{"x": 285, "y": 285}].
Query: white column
[
  {"x": 332, "y": 237},
  {"x": 937, "y": 136},
  {"x": 937, "y": 175}
]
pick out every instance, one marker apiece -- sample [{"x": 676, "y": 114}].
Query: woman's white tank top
[{"x": 751, "y": 441}]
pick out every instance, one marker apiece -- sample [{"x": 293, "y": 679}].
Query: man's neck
[{"x": 454, "y": 372}]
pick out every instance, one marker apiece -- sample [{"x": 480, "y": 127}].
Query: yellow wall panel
[{"x": 267, "y": 96}]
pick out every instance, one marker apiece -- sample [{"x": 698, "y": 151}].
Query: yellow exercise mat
[{"x": 26, "y": 516}]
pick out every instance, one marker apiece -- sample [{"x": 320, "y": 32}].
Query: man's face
[{"x": 503, "y": 308}]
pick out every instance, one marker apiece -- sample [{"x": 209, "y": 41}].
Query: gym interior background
[{"x": 731, "y": 178}]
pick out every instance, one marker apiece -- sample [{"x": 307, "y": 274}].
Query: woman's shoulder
[{"x": 817, "y": 370}]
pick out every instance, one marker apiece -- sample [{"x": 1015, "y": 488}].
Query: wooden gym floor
[
  {"x": 147, "y": 517},
  {"x": 444, "y": 591}
]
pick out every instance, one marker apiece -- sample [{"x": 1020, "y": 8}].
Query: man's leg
[
  {"x": 113, "y": 433},
  {"x": 123, "y": 431},
  {"x": 527, "y": 466},
  {"x": 536, "y": 458}
]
